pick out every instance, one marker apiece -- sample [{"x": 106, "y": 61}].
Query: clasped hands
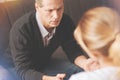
[{"x": 87, "y": 64}]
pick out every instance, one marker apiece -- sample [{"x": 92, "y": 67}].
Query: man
[{"x": 36, "y": 35}]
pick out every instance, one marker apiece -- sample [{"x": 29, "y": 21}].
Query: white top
[
  {"x": 4, "y": 75},
  {"x": 107, "y": 73}
]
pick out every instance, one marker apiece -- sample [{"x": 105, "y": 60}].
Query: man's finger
[{"x": 61, "y": 75}]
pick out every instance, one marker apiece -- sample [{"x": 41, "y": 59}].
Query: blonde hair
[
  {"x": 98, "y": 29},
  {"x": 39, "y": 2}
]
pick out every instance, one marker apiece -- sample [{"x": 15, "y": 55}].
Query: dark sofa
[{"x": 10, "y": 11}]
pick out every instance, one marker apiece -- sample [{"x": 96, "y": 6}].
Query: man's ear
[{"x": 36, "y": 6}]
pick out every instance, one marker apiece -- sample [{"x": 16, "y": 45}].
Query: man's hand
[
  {"x": 87, "y": 64},
  {"x": 57, "y": 77}
]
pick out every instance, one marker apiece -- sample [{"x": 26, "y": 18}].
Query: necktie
[{"x": 47, "y": 39}]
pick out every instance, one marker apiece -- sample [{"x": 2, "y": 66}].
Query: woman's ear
[{"x": 115, "y": 47}]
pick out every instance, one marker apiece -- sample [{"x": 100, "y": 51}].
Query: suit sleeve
[
  {"x": 20, "y": 45},
  {"x": 70, "y": 46}
]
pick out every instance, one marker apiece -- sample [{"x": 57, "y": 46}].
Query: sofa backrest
[
  {"x": 9, "y": 12},
  {"x": 78, "y": 7}
]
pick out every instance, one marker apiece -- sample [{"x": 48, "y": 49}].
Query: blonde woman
[{"x": 98, "y": 33}]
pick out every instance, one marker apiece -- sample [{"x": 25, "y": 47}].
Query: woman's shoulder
[{"x": 106, "y": 73}]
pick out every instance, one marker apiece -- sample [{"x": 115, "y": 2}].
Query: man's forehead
[
  {"x": 52, "y": 2},
  {"x": 52, "y": 6}
]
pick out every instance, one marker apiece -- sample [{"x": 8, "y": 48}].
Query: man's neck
[{"x": 50, "y": 30}]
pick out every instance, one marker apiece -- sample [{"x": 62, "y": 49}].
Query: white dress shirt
[{"x": 45, "y": 34}]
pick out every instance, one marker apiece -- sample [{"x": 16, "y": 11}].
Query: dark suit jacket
[{"x": 27, "y": 48}]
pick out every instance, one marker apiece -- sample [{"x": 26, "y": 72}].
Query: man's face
[{"x": 50, "y": 13}]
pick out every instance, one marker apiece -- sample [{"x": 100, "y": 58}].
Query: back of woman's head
[{"x": 100, "y": 30}]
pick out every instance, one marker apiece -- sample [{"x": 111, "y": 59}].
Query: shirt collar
[{"x": 43, "y": 31}]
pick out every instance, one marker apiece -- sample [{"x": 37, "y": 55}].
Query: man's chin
[{"x": 54, "y": 25}]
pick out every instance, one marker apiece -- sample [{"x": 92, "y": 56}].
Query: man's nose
[{"x": 55, "y": 14}]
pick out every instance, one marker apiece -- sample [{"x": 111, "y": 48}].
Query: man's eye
[
  {"x": 59, "y": 9},
  {"x": 49, "y": 10}
]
